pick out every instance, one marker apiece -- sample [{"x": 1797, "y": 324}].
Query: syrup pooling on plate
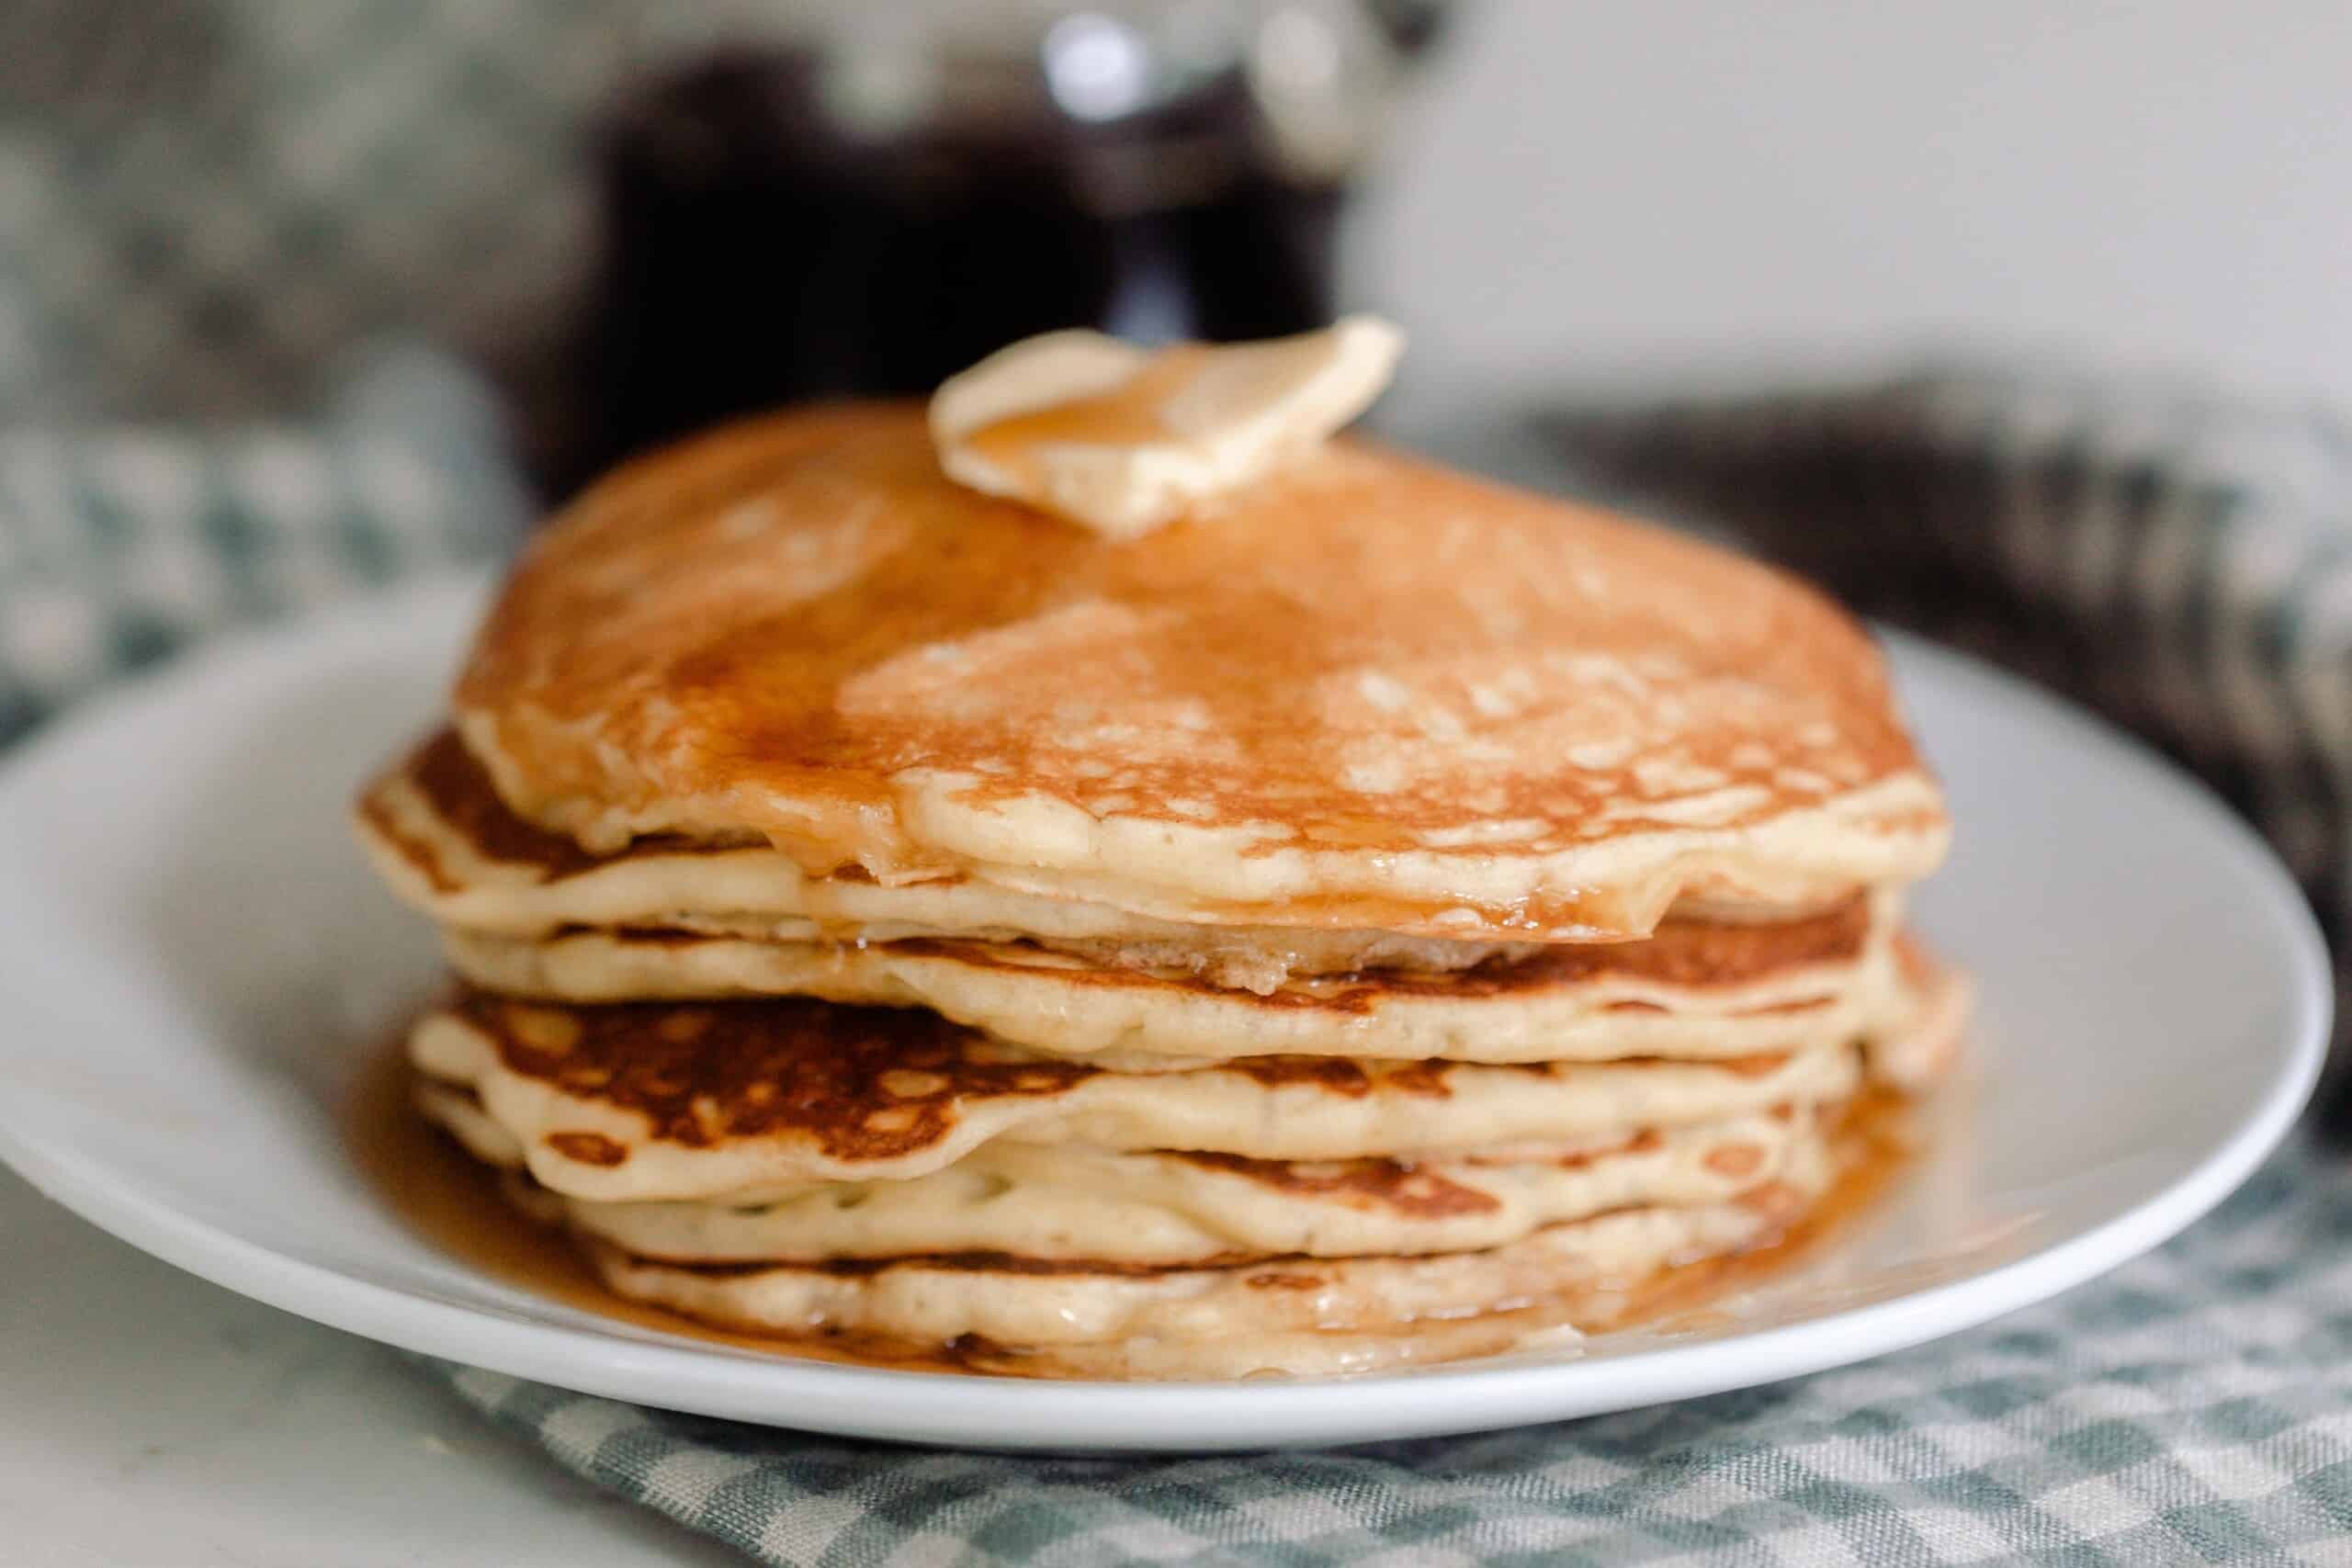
[
  {"x": 456, "y": 1203},
  {"x": 1102, "y": 878},
  {"x": 1311, "y": 1314}
]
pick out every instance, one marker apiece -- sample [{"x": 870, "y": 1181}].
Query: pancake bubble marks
[{"x": 1108, "y": 876}]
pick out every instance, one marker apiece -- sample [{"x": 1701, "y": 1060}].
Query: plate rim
[{"x": 1104, "y": 1417}]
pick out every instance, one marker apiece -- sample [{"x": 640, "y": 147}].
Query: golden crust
[
  {"x": 1693, "y": 989},
  {"x": 1368, "y": 693},
  {"x": 727, "y": 1101}
]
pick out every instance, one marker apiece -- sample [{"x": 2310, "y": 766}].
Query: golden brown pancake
[
  {"x": 1377, "y": 918},
  {"x": 1696, "y": 989},
  {"x": 736, "y": 1101},
  {"x": 1301, "y": 1317},
  {"x": 1160, "y": 1209},
  {"x": 448, "y": 844},
  {"x": 1367, "y": 693}
]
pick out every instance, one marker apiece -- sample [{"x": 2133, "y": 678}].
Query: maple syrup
[{"x": 453, "y": 1201}]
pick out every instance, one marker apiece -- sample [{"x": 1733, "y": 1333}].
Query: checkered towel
[
  {"x": 2194, "y": 1407},
  {"x": 2184, "y": 563},
  {"x": 2179, "y": 559},
  {"x": 121, "y": 544}
]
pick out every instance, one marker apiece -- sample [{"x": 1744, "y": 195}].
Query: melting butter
[{"x": 1123, "y": 440}]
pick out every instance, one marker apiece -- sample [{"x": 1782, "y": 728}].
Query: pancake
[
  {"x": 1366, "y": 693},
  {"x": 1165, "y": 1210},
  {"x": 1919, "y": 1033},
  {"x": 1300, "y": 1316},
  {"x": 1694, "y": 989},
  {"x": 446, "y": 844},
  {"x": 741, "y": 1102},
  {"x": 1354, "y": 917}
]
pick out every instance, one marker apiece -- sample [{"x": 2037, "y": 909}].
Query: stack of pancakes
[{"x": 1372, "y": 921}]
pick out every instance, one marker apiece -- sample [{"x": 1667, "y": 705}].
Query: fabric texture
[
  {"x": 201, "y": 204},
  {"x": 2178, "y": 559},
  {"x": 122, "y": 543},
  {"x": 201, "y": 201},
  {"x": 2196, "y": 1406},
  {"x": 2182, "y": 562}
]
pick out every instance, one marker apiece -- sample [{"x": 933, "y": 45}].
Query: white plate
[{"x": 191, "y": 956}]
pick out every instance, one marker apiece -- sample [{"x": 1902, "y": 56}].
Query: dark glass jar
[{"x": 874, "y": 205}]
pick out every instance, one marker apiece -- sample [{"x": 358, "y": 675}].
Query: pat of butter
[{"x": 1122, "y": 439}]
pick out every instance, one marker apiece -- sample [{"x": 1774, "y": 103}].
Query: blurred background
[
  {"x": 2022, "y": 323},
  {"x": 2157, "y": 184},
  {"x": 641, "y": 215}
]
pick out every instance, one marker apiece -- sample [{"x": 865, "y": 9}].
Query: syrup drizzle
[{"x": 452, "y": 1202}]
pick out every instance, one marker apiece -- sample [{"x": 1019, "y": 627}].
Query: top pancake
[{"x": 1367, "y": 693}]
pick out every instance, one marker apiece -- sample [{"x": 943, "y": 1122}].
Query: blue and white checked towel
[
  {"x": 198, "y": 197},
  {"x": 2184, "y": 562}
]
